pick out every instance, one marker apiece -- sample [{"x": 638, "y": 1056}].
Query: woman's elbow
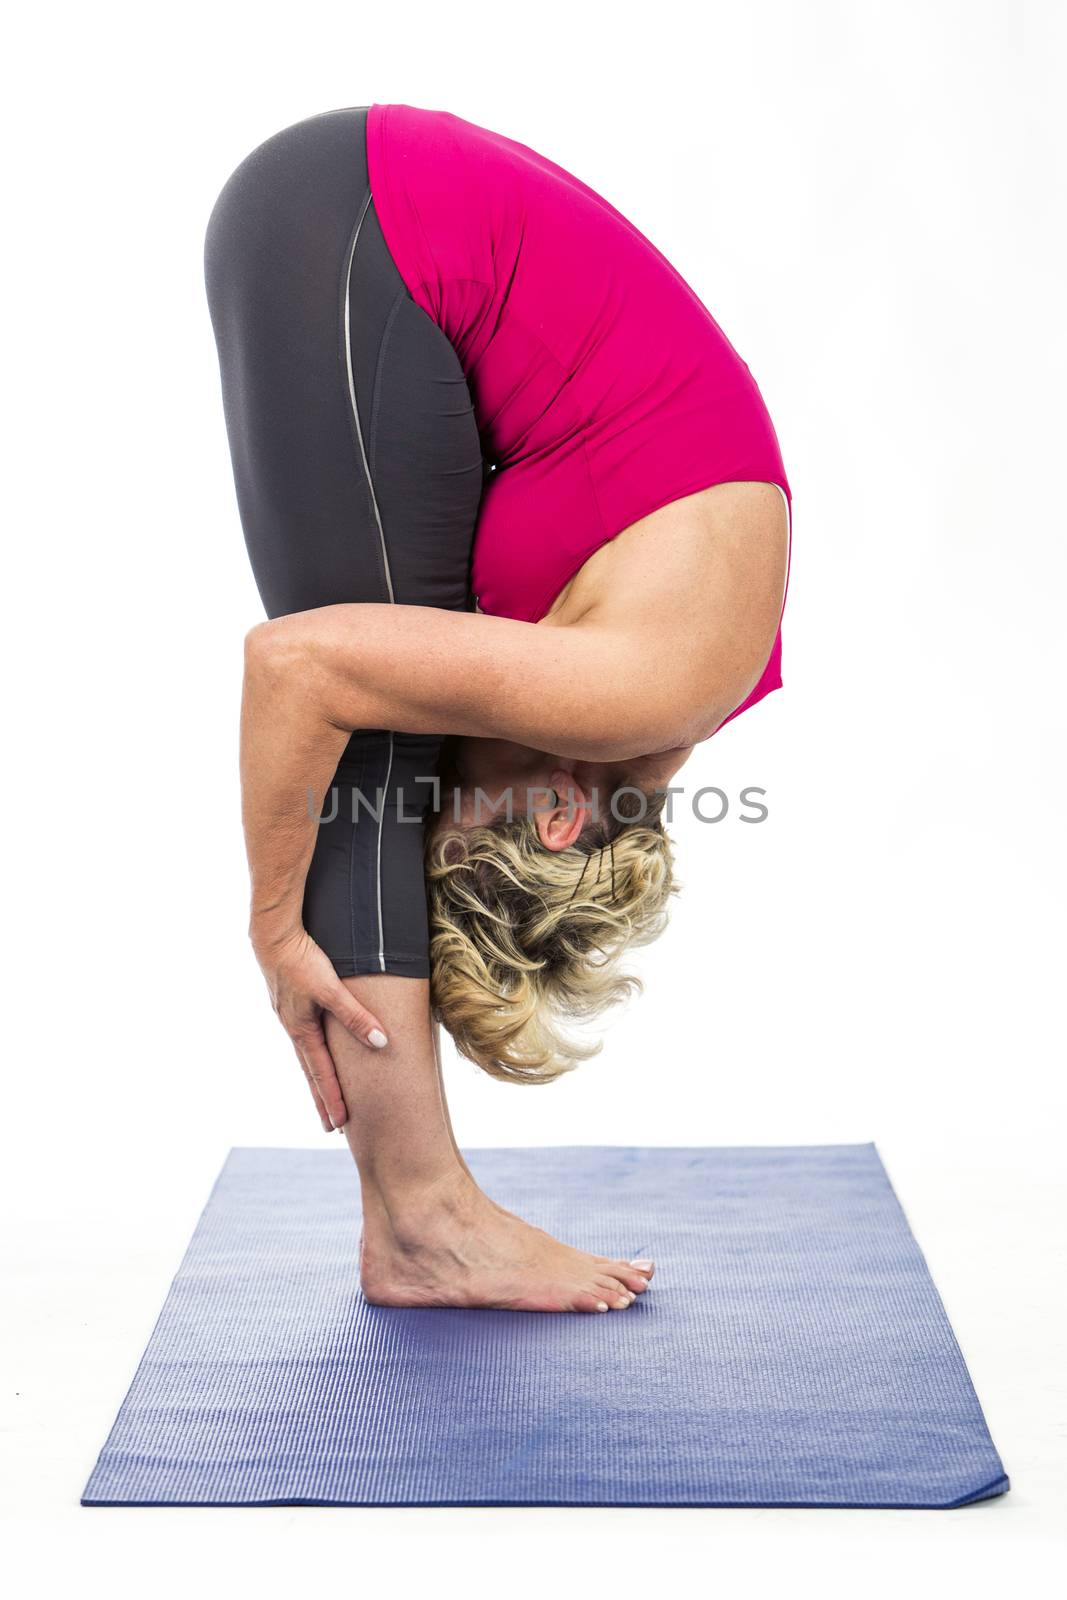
[
  {"x": 258, "y": 646},
  {"x": 280, "y": 664},
  {"x": 301, "y": 641},
  {"x": 311, "y": 658}
]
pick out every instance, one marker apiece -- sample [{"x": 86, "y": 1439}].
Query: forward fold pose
[{"x": 519, "y": 520}]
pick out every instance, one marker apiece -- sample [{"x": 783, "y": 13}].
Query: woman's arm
[
  {"x": 612, "y": 686},
  {"x": 629, "y": 677},
  {"x": 314, "y": 677},
  {"x": 286, "y": 749},
  {"x": 310, "y": 680},
  {"x": 594, "y": 692}
]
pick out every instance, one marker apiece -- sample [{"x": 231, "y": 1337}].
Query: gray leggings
[{"x": 359, "y": 471}]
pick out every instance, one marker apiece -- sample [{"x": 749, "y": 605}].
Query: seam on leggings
[
  {"x": 381, "y": 534},
  {"x": 373, "y": 770},
  {"x": 378, "y": 867},
  {"x": 352, "y": 397},
  {"x": 353, "y": 937},
  {"x": 379, "y": 369}
]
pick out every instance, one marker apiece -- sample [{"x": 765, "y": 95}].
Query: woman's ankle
[{"x": 407, "y": 1204}]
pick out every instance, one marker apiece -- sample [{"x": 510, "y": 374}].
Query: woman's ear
[{"x": 560, "y": 825}]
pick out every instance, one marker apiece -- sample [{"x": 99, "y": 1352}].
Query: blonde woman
[{"x": 519, "y": 519}]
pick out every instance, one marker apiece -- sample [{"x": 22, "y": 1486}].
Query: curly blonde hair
[{"x": 524, "y": 939}]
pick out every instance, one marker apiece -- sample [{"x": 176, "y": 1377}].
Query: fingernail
[
  {"x": 377, "y": 1038},
  {"x": 602, "y": 1305},
  {"x": 642, "y": 1266}
]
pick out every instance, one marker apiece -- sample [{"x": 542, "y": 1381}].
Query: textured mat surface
[{"x": 792, "y": 1351}]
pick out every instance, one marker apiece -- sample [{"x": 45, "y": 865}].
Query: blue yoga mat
[{"x": 792, "y": 1350}]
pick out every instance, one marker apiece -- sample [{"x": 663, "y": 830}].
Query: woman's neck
[{"x": 647, "y": 773}]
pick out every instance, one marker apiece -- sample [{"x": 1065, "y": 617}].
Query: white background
[{"x": 867, "y": 197}]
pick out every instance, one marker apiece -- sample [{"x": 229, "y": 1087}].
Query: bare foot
[{"x": 453, "y": 1246}]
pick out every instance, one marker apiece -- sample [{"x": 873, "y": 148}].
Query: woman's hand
[{"x": 303, "y": 985}]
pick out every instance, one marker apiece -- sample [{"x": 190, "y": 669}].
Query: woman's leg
[
  {"x": 430, "y": 1236},
  {"x": 358, "y": 472}
]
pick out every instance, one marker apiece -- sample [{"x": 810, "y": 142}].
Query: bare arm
[
  {"x": 310, "y": 680},
  {"x": 586, "y": 691},
  {"x": 628, "y": 677},
  {"x": 627, "y": 680},
  {"x": 287, "y": 748},
  {"x": 314, "y": 677}
]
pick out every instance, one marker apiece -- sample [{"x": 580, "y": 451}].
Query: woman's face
[{"x": 481, "y": 778}]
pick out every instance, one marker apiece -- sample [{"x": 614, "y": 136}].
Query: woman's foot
[{"x": 450, "y": 1245}]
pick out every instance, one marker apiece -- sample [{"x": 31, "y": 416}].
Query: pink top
[{"x": 602, "y": 387}]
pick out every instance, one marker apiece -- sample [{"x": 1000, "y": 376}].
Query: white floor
[{"x": 93, "y": 1281}]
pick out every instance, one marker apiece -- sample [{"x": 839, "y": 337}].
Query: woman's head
[{"x": 529, "y": 915}]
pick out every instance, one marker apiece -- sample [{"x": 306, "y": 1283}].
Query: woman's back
[{"x": 603, "y": 387}]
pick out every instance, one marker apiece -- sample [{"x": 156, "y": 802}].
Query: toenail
[
  {"x": 602, "y": 1305},
  {"x": 642, "y": 1266}
]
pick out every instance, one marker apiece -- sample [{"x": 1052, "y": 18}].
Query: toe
[
  {"x": 616, "y": 1293},
  {"x": 628, "y": 1276},
  {"x": 595, "y": 1299},
  {"x": 635, "y": 1273}
]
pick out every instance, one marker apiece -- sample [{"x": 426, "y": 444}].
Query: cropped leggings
[{"x": 359, "y": 471}]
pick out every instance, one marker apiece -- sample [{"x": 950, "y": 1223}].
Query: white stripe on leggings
[{"x": 381, "y": 540}]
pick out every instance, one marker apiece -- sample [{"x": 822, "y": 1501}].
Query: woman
[{"x": 518, "y": 515}]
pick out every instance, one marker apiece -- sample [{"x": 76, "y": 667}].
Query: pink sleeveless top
[{"x": 603, "y": 388}]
